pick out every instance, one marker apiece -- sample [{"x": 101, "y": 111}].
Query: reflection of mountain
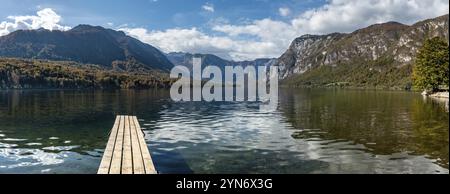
[
  {"x": 384, "y": 122},
  {"x": 83, "y": 118},
  {"x": 226, "y": 137},
  {"x": 335, "y": 132}
]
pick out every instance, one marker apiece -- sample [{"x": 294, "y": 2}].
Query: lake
[{"x": 313, "y": 131}]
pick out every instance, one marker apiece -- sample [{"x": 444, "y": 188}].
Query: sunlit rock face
[{"x": 390, "y": 40}]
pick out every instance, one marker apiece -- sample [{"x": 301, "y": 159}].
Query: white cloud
[
  {"x": 284, "y": 11},
  {"x": 266, "y": 30},
  {"x": 194, "y": 41},
  {"x": 263, "y": 37},
  {"x": 208, "y": 7},
  {"x": 349, "y": 15},
  {"x": 270, "y": 38},
  {"x": 45, "y": 18}
]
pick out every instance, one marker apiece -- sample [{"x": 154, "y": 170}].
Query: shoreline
[{"x": 444, "y": 95}]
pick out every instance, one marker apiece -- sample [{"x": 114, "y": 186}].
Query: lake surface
[{"x": 313, "y": 131}]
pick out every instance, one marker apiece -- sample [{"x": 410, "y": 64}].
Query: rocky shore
[
  {"x": 439, "y": 95},
  {"x": 436, "y": 94}
]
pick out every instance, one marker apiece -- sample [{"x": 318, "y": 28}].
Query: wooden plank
[
  {"x": 126, "y": 151},
  {"x": 127, "y": 160},
  {"x": 148, "y": 163},
  {"x": 138, "y": 163},
  {"x": 116, "y": 163},
  {"x": 107, "y": 155}
]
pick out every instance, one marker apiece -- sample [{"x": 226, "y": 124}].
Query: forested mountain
[
  {"x": 85, "y": 44},
  {"x": 379, "y": 55}
]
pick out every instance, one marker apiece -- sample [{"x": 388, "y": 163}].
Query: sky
[{"x": 232, "y": 29}]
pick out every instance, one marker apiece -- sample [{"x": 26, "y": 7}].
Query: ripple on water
[
  {"x": 13, "y": 139},
  {"x": 312, "y": 132},
  {"x": 33, "y": 144}
]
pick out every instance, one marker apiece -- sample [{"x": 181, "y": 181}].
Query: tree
[{"x": 431, "y": 66}]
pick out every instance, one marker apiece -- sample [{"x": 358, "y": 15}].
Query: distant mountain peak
[
  {"x": 86, "y": 27},
  {"x": 185, "y": 59},
  {"x": 42, "y": 30},
  {"x": 387, "y": 26},
  {"x": 85, "y": 44},
  {"x": 313, "y": 37}
]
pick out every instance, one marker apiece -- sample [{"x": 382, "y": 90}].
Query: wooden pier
[{"x": 126, "y": 151}]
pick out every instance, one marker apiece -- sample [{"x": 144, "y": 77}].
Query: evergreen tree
[{"x": 431, "y": 66}]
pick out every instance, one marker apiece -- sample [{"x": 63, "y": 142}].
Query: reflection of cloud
[
  {"x": 13, "y": 139},
  {"x": 29, "y": 157},
  {"x": 237, "y": 127},
  {"x": 7, "y": 145},
  {"x": 60, "y": 148},
  {"x": 33, "y": 144}
]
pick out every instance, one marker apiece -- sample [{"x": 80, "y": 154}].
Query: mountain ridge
[
  {"x": 85, "y": 44},
  {"x": 380, "y": 48},
  {"x": 185, "y": 58},
  {"x": 378, "y": 55}
]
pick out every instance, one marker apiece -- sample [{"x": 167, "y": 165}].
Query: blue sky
[
  {"x": 156, "y": 14},
  {"x": 232, "y": 29}
]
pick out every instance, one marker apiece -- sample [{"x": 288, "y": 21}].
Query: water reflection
[
  {"x": 313, "y": 131},
  {"x": 441, "y": 102},
  {"x": 61, "y": 131},
  {"x": 395, "y": 127}
]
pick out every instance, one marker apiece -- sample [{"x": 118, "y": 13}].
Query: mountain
[
  {"x": 85, "y": 44},
  {"x": 185, "y": 59},
  {"x": 379, "y": 55},
  {"x": 257, "y": 62}
]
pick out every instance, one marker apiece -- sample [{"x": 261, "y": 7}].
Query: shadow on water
[{"x": 175, "y": 162}]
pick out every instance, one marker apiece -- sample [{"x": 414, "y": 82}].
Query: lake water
[{"x": 313, "y": 131}]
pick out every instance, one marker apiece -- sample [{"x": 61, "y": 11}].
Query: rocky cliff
[{"x": 381, "y": 47}]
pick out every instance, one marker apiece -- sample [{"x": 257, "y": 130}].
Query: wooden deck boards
[{"x": 126, "y": 151}]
